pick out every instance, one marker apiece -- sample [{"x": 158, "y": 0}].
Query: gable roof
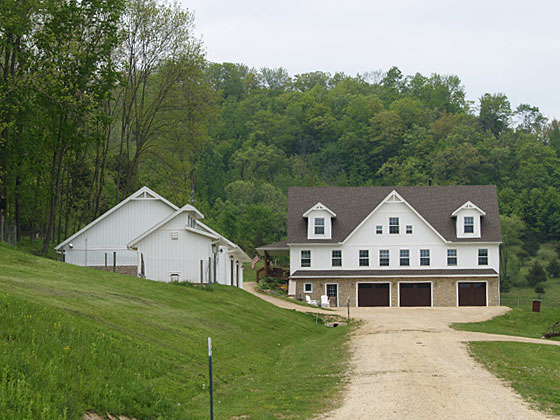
[
  {"x": 144, "y": 191},
  {"x": 468, "y": 206},
  {"x": 185, "y": 209},
  {"x": 352, "y": 205},
  {"x": 319, "y": 206}
]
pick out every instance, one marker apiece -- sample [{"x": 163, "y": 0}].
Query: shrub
[
  {"x": 539, "y": 290},
  {"x": 536, "y": 274},
  {"x": 553, "y": 268}
]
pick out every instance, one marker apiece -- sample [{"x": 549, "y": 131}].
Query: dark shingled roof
[
  {"x": 392, "y": 273},
  {"x": 353, "y": 204},
  {"x": 274, "y": 245}
]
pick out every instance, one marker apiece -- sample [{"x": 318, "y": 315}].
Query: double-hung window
[
  {"x": 405, "y": 257},
  {"x": 424, "y": 257},
  {"x": 336, "y": 258},
  {"x": 384, "y": 257},
  {"x": 408, "y": 229},
  {"x": 306, "y": 258},
  {"x": 319, "y": 226},
  {"x": 451, "y": 257},
  {"x": 482, "y": 257},
  {"x": 393, "y": 225},
  {"x": 379, "y": 229},
  {"x": 364, "y": 258},
  {"x": 469, "y": 224}
]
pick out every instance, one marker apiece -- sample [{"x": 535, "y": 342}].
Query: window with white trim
[
  {"x": 379, "y": 229},
  {"x": 307, "y": 287},
  {"x": 174, "y": 277},
  {"x": 424, "y": 257},
  {"x": 451, "y": 257},
  {"x": 306, "y": 258},
  {"x": 405, "y": 257},
  {"x": 364, "y": 258},
  {"x": 393, "y": 225},
  {"x": 384, "y": 257},
  {"x": 469, "y": 224},
  {"x": 408, "y": 229},
  {"x": 336, "y": 258},
  {"x": 319, "y": 226},
  {"x": 482, "y": 257}
]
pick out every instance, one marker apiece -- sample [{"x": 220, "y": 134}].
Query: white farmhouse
[
  {"x": 148, "y": 236},
  {"x": 394, "y": 246}
]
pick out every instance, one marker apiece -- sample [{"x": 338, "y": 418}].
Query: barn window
[{"x": 174, "y": 277}]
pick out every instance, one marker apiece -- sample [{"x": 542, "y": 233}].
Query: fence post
[
  {"x": 201, "y": 273},
  {"x": 114, "y": 261},
  {"x": 105, "y": 261}
]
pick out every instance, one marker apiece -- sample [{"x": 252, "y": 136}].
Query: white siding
[
  {"x": 311, "y": 224},
  {"x": 164, "y": 256},
  {"x": 114, "y": 232},
  {"x": 423, "y": 237}
]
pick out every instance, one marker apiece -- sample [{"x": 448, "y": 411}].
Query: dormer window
[
  {"x": 319, "y": 222},
  {"x": 469, "y": 224},
  {"x": 393, "y": 225},
  {"x": 319, "y": 226}
]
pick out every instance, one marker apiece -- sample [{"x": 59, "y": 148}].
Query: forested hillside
[{"x": 100, "y": 97}]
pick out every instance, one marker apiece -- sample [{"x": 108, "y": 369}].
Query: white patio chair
[
  {"x": 325, "y": 303},
  {"x": 310, "y": 301}
]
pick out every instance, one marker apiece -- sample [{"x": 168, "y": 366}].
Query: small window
[
  {"x": 393, "y": 225},
  {"x": 320, "y": 226},
  {"x": 174, "y": 277},
  {"x": 482, "y": 257},
  {"x": 306, "y": 258},
  {"x": 469, "y": 224},
  {"x": 336, "y": 258},
  {"x": 174, "y": 236},
  {"x": 379, "y": 229},
  {"x": 424, "y": 257},
  {"x": 308, "y": 288},
  {"x": 409, "y": 229},
  {"x": 384, "y": 257},
  {"x": 451, "y": 257},
  {"x": 364, "y": 258},
  {"x": 405, "y": 257}
]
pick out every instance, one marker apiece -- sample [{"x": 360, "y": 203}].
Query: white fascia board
[
  {"x": 226, "y": 241},
  {"x": 316, "y": 243},
  {"x": 468, "y": 206},
  {"x": 385, "y": 200},
  {"x": 114, "y": 209},
  {"x": 394, "y": 276},
  {"x": 193, "y": 209},
  {"x": 319, "y": 206},
  {"x": 201, "y": 232}
]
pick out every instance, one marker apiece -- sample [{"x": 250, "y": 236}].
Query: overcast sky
[{"x": 505, "y": 46}]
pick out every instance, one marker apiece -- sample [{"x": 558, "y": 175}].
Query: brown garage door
[
  {"x": 415, "y": 294},
  {"x": 472, "y": 294},
  {"x": 373, "y": 294}
]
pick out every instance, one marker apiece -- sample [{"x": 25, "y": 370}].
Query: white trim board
[{"x": 131, "y": 197}]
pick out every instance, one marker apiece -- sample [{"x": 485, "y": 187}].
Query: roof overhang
[
  {"x": 468, "y": 206},
  {"x": 319, "y": 207}
]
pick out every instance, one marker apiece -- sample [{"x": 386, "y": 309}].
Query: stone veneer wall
[
  {"x": 444, "y": 289},
  {"x": 130, "y": 270}
]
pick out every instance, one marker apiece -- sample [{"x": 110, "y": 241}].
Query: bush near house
[{"x": 74, "y": 340}]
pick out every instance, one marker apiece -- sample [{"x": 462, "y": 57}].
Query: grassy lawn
[
  {"x": 533, "y": 370},
  {"x": 519, "y": 321},
  {"x": 74, "y": 339}
]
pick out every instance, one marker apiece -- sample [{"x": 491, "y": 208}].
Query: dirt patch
[{"x": 94, "y": 416}]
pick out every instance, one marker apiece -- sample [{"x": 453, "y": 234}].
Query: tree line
[{"x": 99, "y": 97}]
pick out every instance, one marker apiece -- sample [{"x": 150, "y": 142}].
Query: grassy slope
[
  {"x": 533, "y": 370},
  {"x": 75, "y": 339}
]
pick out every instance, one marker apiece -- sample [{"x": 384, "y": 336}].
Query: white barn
[{"x": 148, "y": 236}]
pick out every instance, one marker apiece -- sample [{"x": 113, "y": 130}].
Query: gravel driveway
[{"x": 408, "y": 364}]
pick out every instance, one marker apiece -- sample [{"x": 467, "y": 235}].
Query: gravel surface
[{"x": 408, "y": 364}]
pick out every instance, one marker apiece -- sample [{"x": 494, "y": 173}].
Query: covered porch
[{"x": 276, "y": 249}]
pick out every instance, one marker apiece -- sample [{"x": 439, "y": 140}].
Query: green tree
[
  {"x": 512, "y": 230},
  {"x": 553, "y": 268},
  {"x": 536, "y": 274},
  {"x": 495, "y": 113}
]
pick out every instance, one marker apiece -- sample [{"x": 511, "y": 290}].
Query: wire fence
[{"x": 526, "y": 301}]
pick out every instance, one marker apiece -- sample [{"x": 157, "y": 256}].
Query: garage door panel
[
  {"x": 472, "y": 294},
  {"x": 373, "y": 294},
  {"x": 415, "y": 294}
]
